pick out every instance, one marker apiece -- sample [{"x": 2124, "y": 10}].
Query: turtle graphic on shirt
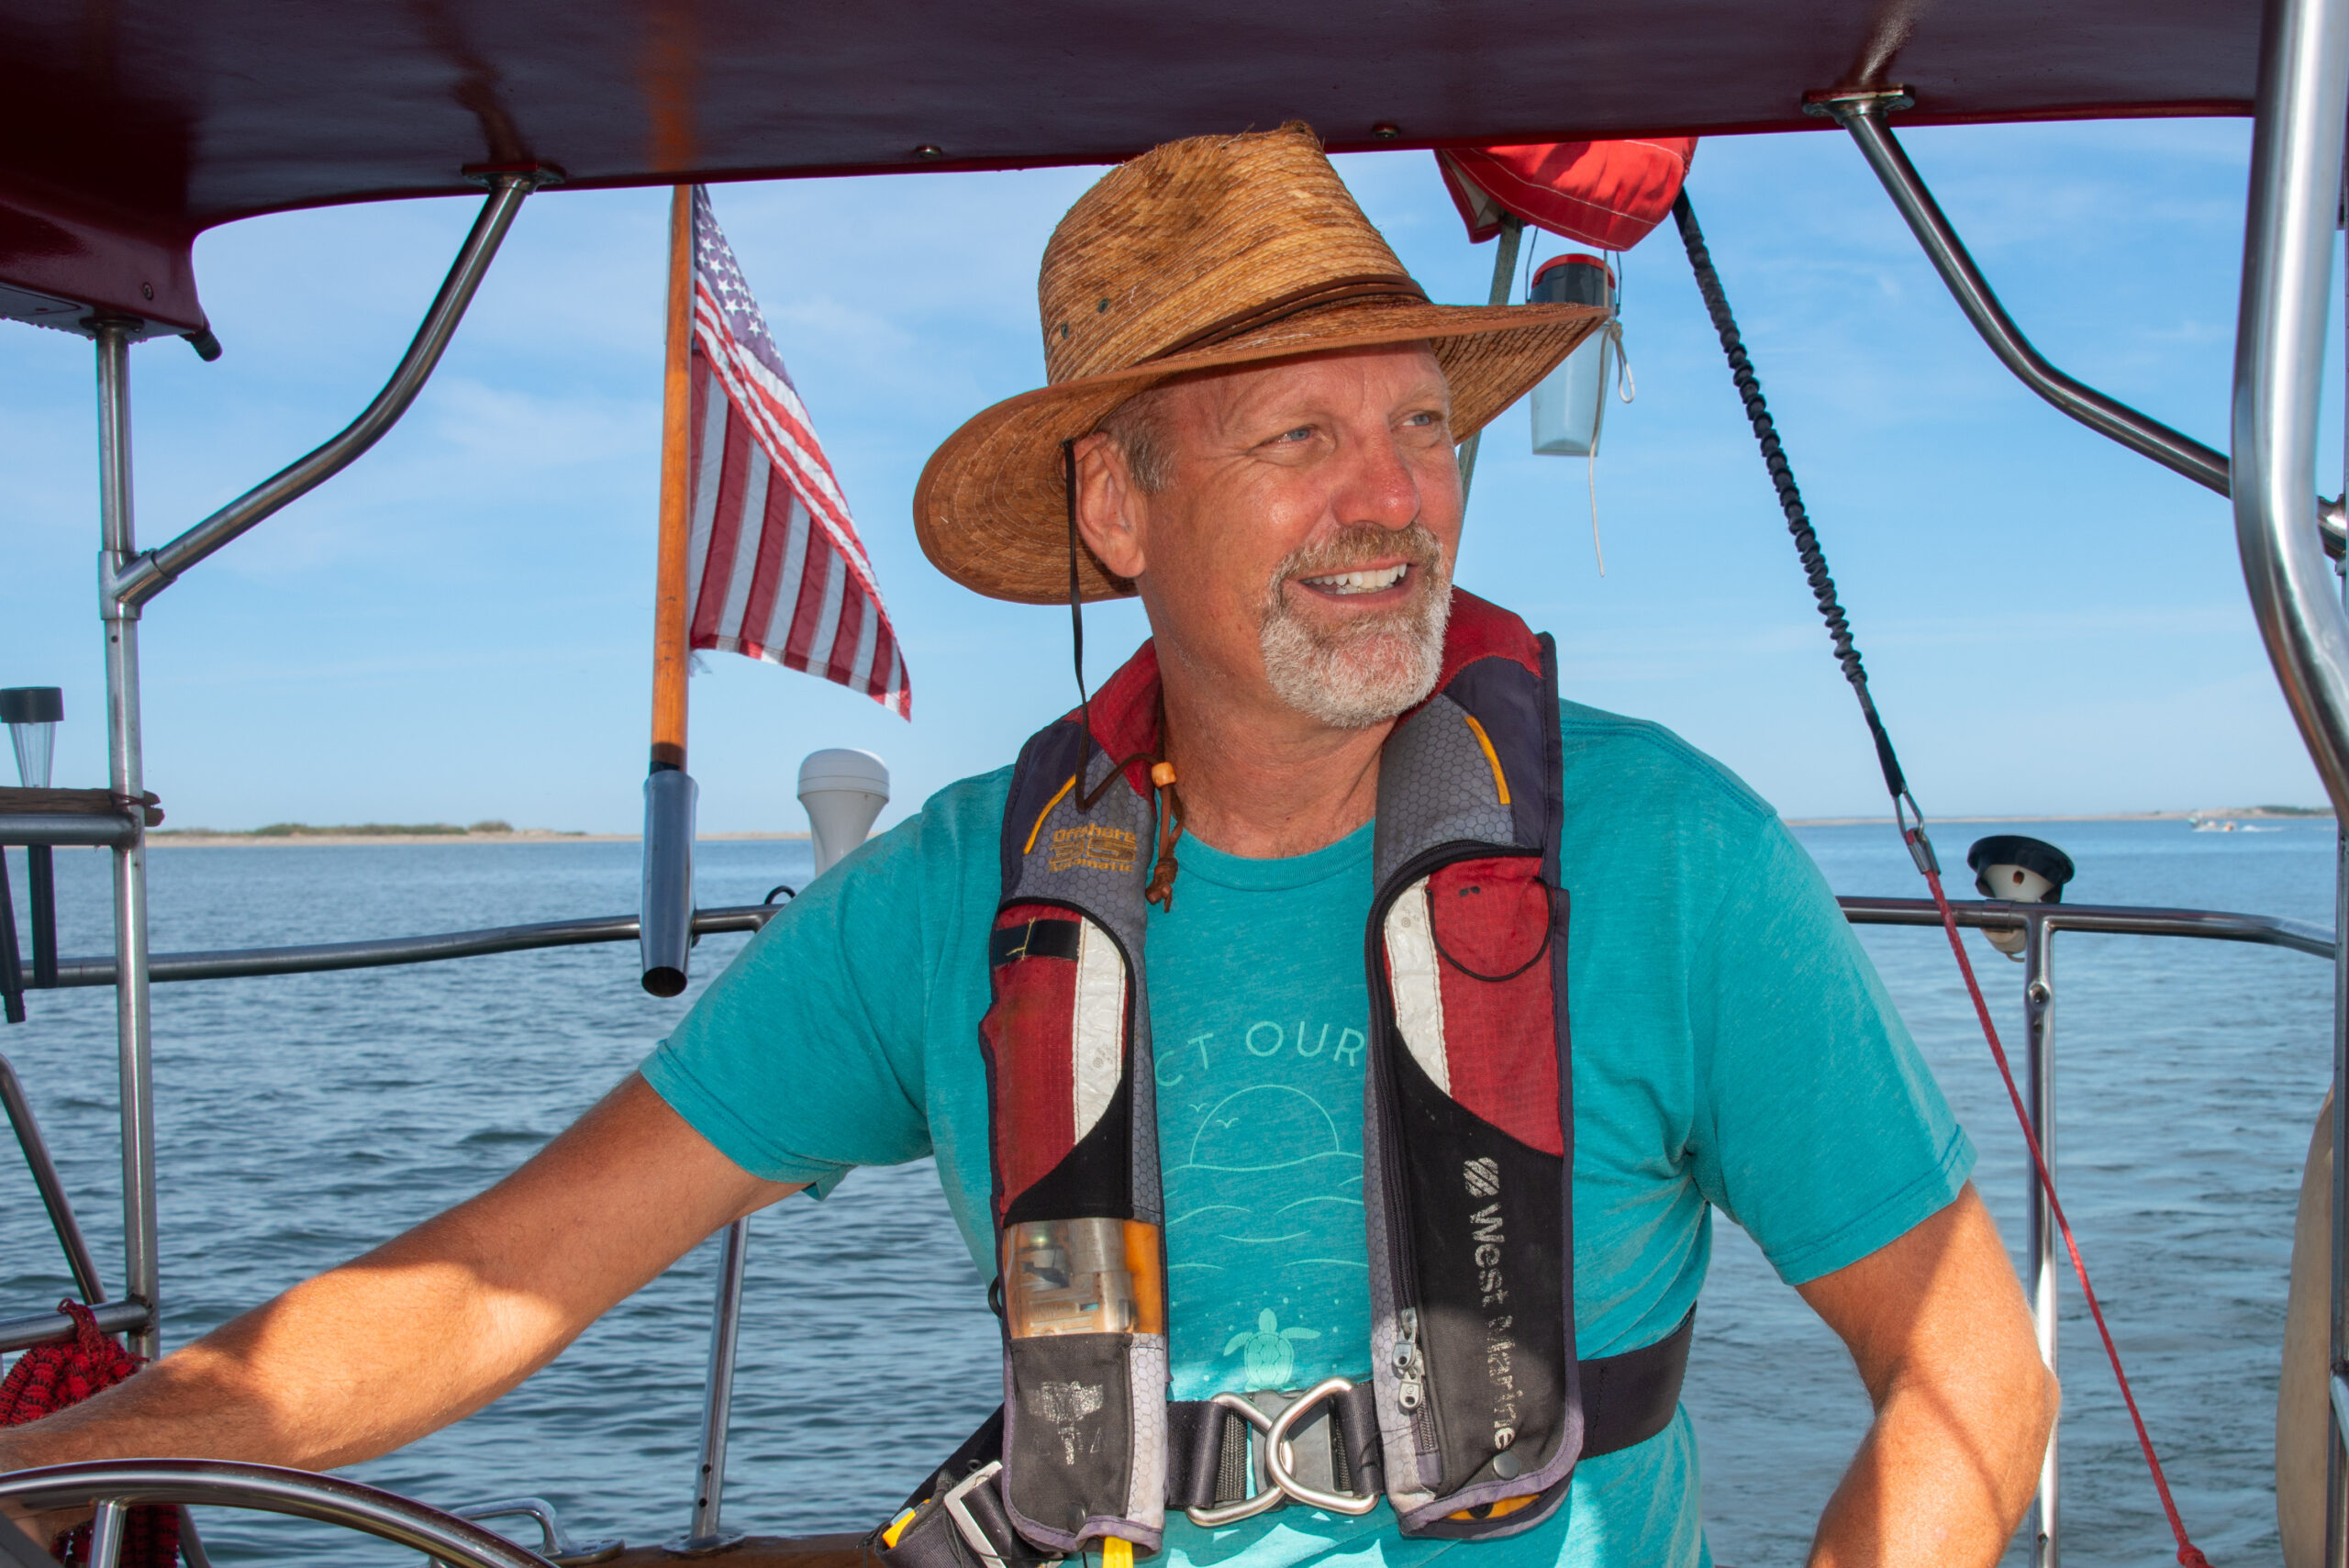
[{"x": 1270, "y": 1355}]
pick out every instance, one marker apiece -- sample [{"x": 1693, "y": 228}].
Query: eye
[
  {"x": 1302, "y": 433},
  {"x": 1425, "y": 417}
]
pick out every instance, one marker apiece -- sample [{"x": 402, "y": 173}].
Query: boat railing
[{"x": 233, "y": 963}]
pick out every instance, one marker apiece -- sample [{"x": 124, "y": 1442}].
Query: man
[{"x": 1432, "y": 1226}]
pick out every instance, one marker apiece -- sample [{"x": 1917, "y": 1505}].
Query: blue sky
[{"x": 457, "y": 628}]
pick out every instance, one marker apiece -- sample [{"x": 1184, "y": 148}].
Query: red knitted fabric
[{"x": 50, "y": 1377}]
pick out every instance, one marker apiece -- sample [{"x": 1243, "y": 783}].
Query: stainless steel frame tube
[
  {"x": 1862, "y": 114},
  {"x": 2288, "y": 227},
  {"x": 239, "y": 963},
  {"x": 2039, "y": 1038},
  {"x": 235, "y": 964},
  {"x": 704, "y": 1534},
  {"x": 1511, "y": 238},
  {"x": 137, "y": 579},
  {"x": 329, "y": 1499},
  {"x": 126, "y": 777},
  {"x": 84, "y": 1267},
  {"x": 2336, "y": 1462},
  {"x": 55, "y": 1328},
  {"x": 2280, "y": 354},
  {"x": 70, "y": 828},
  {"x": 2113, "y": 919},
  {"x": 107, "y": 1524}
]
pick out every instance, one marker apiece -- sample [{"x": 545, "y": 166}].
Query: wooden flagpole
[{"x": 669, "y": 630}]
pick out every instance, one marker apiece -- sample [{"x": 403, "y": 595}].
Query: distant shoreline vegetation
[{"x": 492, "y": 828}]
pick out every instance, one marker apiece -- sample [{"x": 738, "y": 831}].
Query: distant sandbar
[{"x": 2232, "y": 814}]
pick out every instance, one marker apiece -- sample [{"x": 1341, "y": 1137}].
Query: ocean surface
[{"x": 302, "y": 1119}]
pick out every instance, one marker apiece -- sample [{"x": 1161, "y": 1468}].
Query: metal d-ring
[
  {"x": 1276, "y": 1454},
  {"x": 1274, "y": 1461},
  {"x": 1271, "y": 1497}
]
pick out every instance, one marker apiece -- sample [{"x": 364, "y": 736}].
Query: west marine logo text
[{"x": 1485, "y": 1230}]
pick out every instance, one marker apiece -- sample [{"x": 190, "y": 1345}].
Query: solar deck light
[
  {"x": 1569, "y": 403},
  {"x": 843, "y": 792},
  {"x": 2021, "y": 871},
  {"x": 31, "y": 714}
]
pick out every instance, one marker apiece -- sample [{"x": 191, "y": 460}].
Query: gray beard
[{"x": 1370, "y": 672}]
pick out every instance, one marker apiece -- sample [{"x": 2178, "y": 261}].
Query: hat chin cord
[{"x": 1166, "y": 803}]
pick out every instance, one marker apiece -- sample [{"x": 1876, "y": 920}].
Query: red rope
[
  {"x": 2188, "y": 1553},
  {"x": 48, "y": 1378}
]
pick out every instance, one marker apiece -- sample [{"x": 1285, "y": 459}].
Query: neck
[{"x": 1261, "y": 779}]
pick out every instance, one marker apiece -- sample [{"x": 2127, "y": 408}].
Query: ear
[{"x": 1111, "y": 511}]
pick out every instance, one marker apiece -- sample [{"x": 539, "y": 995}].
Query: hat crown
[{"x": 1201, "y": 239}]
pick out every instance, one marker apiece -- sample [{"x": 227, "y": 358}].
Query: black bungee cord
[
  {"x": 1906, "y": 815},
  {"x": 1814, "y": 560}
]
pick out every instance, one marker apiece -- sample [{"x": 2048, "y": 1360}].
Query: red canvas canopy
[
  {"x": 1608, "y": 193},
  {"x": 129, "y": 126}
]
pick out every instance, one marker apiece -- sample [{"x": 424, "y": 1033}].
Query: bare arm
[
  {"x": 429, "y": 1328},
  {"x": 1936, "y": 1324}
]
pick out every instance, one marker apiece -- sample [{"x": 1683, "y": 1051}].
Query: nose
[{"x": 1382, "y": 490}]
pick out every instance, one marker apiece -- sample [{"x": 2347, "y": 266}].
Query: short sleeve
[
  {"x": 1821, "y": 1130},
  {"x": 804, "y": 1059}
]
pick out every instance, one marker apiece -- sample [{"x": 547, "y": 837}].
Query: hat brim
[{"x": 991, "y": 509}]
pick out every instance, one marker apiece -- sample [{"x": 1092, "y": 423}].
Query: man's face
[{"x": 1301, "y": 551}]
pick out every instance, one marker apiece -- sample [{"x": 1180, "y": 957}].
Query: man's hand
[
  {"x": 1936, "y": 1324},
  {"x": 428, "y": 1329}
]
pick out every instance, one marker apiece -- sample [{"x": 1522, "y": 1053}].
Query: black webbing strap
[
  {"x": 1043, "y": 938},
  {"x": 1626, "y": 1399},
  {"x": 1206, "y": 1449}
]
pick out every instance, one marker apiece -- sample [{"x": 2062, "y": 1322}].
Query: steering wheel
[{"x": 117, "y": 1485}]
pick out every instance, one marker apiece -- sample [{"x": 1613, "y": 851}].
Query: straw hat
[{"x": 1213, "y": 252}]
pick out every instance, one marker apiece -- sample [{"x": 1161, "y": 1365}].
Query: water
[{"x": 300, "y": 1120}]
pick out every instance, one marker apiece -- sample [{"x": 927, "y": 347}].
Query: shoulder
[
  {"x": 1636, "y": 767},
  {"x": 919, "y": 874},
  {"x": 1656, "y": 829},
  {"x": 963, "y": 818}
]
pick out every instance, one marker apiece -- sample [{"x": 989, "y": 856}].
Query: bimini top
[{"x": 131, "y": 125}]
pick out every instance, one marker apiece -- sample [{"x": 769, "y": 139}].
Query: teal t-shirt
[
  {"x": 1260, "y": 1045},
  {"x": 1732, "y": 1050}
]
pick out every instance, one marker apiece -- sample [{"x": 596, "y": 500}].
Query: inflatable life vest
[{"x": 1475, "y": 1414}]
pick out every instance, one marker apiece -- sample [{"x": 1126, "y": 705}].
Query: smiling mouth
[{"x": 1376, "y": 580}]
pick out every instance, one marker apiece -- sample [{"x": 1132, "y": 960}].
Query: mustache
[{"x": 1357, "y": 545}]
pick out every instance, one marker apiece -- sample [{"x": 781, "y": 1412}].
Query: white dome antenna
[{"x": 843, "y": 791}]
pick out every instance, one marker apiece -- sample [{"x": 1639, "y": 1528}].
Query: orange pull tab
[{"x": 1162, "y": 774}]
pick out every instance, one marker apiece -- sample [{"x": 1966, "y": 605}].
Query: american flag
[{"x": 777, "y": 571}]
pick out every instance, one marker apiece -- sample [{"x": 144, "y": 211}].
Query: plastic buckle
[
  {"x": 956, "y": 1510},
  {"x": 1277, "y": 1461}
]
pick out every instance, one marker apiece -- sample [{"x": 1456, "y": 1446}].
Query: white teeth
[{"x": 1359, "y": 582}]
